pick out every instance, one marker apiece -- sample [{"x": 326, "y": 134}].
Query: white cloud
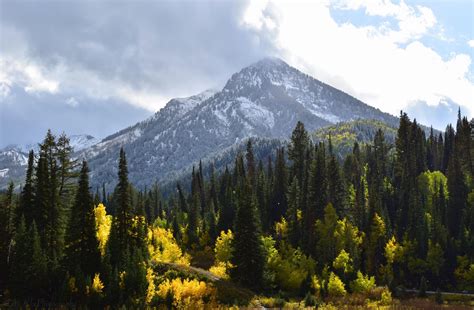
[
  {"x": 28, "y": 75},
  {"x": 470, "y": 43},
  {"x": 72, "y": 102},
  {"x": 413, "y": 21},
  {"x": 368, "y": 61}
]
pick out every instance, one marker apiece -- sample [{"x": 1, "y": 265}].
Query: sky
[{"x": 95, "y": 67}]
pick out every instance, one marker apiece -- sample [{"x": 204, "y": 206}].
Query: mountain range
[{"x": 264, "y": 100}]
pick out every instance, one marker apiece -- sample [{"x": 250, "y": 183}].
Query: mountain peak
[{"x": 269, "y": 62}]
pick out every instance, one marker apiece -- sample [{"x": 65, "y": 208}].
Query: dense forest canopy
[{"x": 301, "y": 223}]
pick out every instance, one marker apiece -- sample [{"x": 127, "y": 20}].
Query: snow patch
[
  {"x": 3, "y": 172},
  {"x": 255, "y": 113}
]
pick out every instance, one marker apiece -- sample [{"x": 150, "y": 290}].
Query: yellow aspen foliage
[
  {"x": 335, "y": 286},
  {"x": 363, "y": 283},
  {"x": 150, "y": 278},
  {"x": 223, "y": 255},
  {"x": 223, "y": 249},
  {"x": 97, "y": 285},
  {"x": 281, "y": 228},
  {"x": 316, "y": 285},
  {"x": 102, "y": 223},
  {"x": 186, "y": 293},
  {"x": 393, "y": 250},
  {"x": 163, "y": 247},
  {"x": 343, "y": 262},
  {"x": 220, "y": 269}
]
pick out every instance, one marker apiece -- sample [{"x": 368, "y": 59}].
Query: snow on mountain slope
[
  {"x": 14, "y": 158},
  {"x": 265, "y": 100}
]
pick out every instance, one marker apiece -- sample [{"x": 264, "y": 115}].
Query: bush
[
  {"x": 336, "y": 286},
  {"x": 386, "y": 297},
  {"x": 362, "y": 284},
  {"x": 186, "y": 293},
  {"x": 163, "y": 247}
]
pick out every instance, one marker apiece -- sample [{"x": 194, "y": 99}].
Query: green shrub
[
  {"x": 362, "y": 284},
  {"x": 335, "y": 286}
]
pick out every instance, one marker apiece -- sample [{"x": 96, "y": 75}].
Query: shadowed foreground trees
[{"x": 305, "y": 223}]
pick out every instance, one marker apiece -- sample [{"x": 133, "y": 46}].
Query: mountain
[
  {"x": 263, "y": 100},
  {"x": 14, "y": 158}
]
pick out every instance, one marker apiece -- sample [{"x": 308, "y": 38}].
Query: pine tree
[
  {"x": 457, "y": 196},
  {"x": 250, "y": 158},
  {"x": 20, "y": 262},
  {"x": 318, "y": 198},
  {"x": 226, "y": 203},
  {"x": 120, "y": 239},
  {"x": 336, "y": 190},
  {"x": 82, "y": 246},
  {"x": 7, "y": 226},
  {"x": 27, "y": 198},
  {"x": 28, "y": 272},
  {"x": 294, "y": 201},
  {"x": 247, "y": 257},
  {"x": 279, "y": 202},
  {"x": 297, "y": 152}
]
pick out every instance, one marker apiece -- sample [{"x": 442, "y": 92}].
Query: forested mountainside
[{"x": 300, "y": 228}]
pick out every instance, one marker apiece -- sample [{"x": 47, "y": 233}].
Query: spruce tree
[
  {"x": 250, "y": 158},
  {"x": 248, "y": 256},
  {"x": 294, "y": 225},
  {"x": 318, "y": 198},
  {"x": 7, "y": 226},
  {"x": 226, "y": 203},
  {"x": 279, "y": 203},
  {"x": 120, "y": 239},
  {"x": 297, "y": 152},
  {"x": 27, "y": 198},
  {"x": 82, "y": 246},
  {"x": 336, "y": 190}
]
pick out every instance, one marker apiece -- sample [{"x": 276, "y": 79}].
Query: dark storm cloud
[
  {"x": 98, "y": 49},
  {"x": 164, "y": 45}
]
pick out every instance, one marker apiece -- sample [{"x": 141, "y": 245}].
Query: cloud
[
  {"x": 144, "y": 52},
  {"x": 72, "y": 102},
  {"x": 384, "y": 65},
  {"x": 71, "y": 113},
  {"x": 470, "y": 43},
  {"x": 64, "y": 59}
]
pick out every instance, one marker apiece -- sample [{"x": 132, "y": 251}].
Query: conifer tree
[
  {"x": 27, "y": 199},
  {"x": 120, "y": 239},
  {"x": 294, "y": 225},
  {"x": 457, "y": 196},
  {"x": 7, "y": 226},
  {"x": 82, "y": 247},
  {"x": 247, "y": 257},
  {"x": 279, "y": 202},
  {"x": 226, "y": 202},
  {"x": 317, "y": 198},
  {"x": 297, "y": 152},
  {"x": 250, "y": 158},
  {"x": 336, "y": 190}
]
